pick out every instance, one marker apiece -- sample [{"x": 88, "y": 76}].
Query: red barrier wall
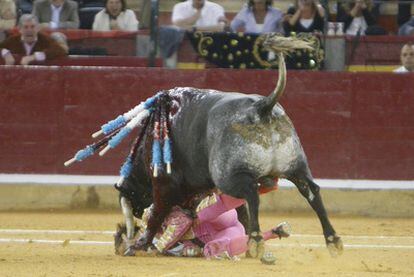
[{"x": 352, "y": 125}]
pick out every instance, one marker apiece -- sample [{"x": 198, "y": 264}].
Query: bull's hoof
[
  {"x": 335, "y": 246},
  {"x": 130, "y": 251},
  {"x": 142, "y": 244},
  {"x": 255, "y": 247}
]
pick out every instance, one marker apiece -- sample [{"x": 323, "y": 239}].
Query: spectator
[
  {"x": 32, "y": 45},
  {"x": 404, "y": 11},
  {"x": 7, "y": 14},
  {"x": 306, "y": 16},
  {"x": 407, "y": 59},
  {"x": 356, "y": 15},
  {"x": 258, "y": 17},
  {"x": 407, "y": 29},
  {"x": 199, "y": 15},
  {"x": 57, "y": 14},
  {"x": 115, "y": 16}
]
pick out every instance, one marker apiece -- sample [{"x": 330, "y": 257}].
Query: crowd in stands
[
  {"x": 256, "y": 16},
  {"x": 357, "y": 17}
]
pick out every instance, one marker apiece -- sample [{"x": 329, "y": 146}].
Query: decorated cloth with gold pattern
[{"x": 244, "y": 50}]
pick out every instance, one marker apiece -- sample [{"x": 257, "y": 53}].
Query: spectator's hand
[
  {"x": 114, "y": 25},
  {"x": 224, "y": 20},
  {"x": 9, "y": 59},
  {"x": 361, "y": 4},
  {"x": 8, "y": 14},
  {"x": 27, "y": 60},
  {"x": 286, "y": 17}
]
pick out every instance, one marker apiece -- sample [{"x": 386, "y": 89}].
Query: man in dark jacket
[
  {"x": 30, "y": 44},
  {"x": 57, "y": 14}
]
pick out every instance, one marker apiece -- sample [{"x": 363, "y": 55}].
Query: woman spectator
[
  {"x": 258, "y": 17},
  {"x": 306, "y": 16},
  {"x": 356, "y": 15},
  {"x": 115, "y": 16},
  {"x": 7, "y": 14}
]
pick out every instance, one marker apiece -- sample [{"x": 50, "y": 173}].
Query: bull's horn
[{"x": 267, "y": 104}]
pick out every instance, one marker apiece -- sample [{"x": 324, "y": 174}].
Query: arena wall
[{"x": 356, "y": 126}]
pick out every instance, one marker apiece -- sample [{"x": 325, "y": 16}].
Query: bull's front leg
[
  {"x": 130, "y": 228},
  {"x": 163, "y": 201},
  {"x": 244, "y": 185},
  {"x": 310, "y": 191}
]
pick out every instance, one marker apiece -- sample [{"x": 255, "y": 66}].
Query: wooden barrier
[{"x": 351, "y": 125}]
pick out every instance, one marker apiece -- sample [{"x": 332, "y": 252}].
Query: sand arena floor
[{"x": 80, "y": 244}]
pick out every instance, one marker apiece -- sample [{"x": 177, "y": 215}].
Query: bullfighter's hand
[
  {"x": 27, "y": 60},
  {"x": 9, "y": 59}
]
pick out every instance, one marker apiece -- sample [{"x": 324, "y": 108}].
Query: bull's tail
[{"x": 281, "y": 46}]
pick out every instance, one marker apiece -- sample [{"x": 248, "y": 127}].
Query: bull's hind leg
[
  {"x": 243, "y": 185},
  {"x": 310, "y": 191}
]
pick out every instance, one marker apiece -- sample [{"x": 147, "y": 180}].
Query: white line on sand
[
  {"x": 279, "y": 245},
  {"x": 356, "y": 246},
  {"x": 78, "y": 232},
  {"x": 97, "y": 232},
  {"x": 105, "y": 180},
  {"x": 50, "y": 241}
]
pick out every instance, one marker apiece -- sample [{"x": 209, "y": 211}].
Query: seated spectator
[
  {"x": 258, "y": 17},
  {"x": 407, "y": 59},
  {"x": 7, "y": 14},
  {"x": 356, "y": 15},
  {"x": 404, "y": 11},
  {"x": 407, "y": 29},
  {"x": 199, "y": 15},
  {"x": 306, "y": 16},
  {"x": 32, "y": 45},
  {"x": 115, "y": 16},
  {"x": 57, "y": 14}
]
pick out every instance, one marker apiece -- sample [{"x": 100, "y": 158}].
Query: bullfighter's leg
[
  {"x": 244, "y": 185},
  {"x": 310, "y": 191},
  {"x": 234, "y": 241},
  {"x": 129, "y": 222}
]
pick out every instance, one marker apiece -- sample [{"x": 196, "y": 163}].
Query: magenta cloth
[
  {"x": 219, "y": 225},
  {"x": 224, "y": 203},
  {"x": 220, "y": 229}
]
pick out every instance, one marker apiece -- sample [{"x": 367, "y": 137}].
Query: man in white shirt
[
  {"x": 200, "y": 15},
  {"x": 57, "y": 14},
  {"x": 407, "y": 59}
]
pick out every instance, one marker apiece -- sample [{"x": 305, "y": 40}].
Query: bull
[
  {"x": 232, "y": 141},
  {"x": 221, "y": 140}
]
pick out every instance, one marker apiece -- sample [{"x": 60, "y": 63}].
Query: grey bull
[{"x": 232, "y": 141}]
